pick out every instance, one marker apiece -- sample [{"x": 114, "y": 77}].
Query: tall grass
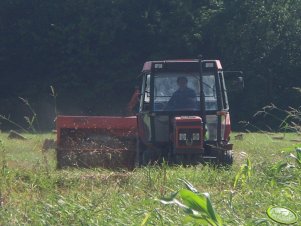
[
  {"x": 33, "y": 192},
  {"x": 31, "y": 120}
]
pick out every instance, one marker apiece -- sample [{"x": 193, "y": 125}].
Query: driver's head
[{"x": 182, "y": 82}]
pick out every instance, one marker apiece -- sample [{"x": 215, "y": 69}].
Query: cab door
[{"x": 144, "y": 121}]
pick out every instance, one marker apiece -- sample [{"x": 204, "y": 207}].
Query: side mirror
[{"x": 234, "y": 81}]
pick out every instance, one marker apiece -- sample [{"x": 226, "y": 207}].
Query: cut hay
[{"x": 99, "y": 150}]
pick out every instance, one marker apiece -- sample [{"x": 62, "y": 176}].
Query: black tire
[
  {"x": 146, "y": 157},
  {"x": 142, "y": 155},
  {"x": 228, "y": 158},
  {"x": 178, "y": 159},
  {"x": 225, "y": 158}
]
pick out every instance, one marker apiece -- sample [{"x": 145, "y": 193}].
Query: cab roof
[{"x": 148, "y": 64}]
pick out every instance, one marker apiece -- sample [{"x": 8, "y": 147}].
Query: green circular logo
[{"x": 282, "y": 215}]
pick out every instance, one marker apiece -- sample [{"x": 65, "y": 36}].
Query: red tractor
[{"x": 183, "y": 118}]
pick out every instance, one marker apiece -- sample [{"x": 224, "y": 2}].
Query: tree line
[{"x": 92, "y": 51}]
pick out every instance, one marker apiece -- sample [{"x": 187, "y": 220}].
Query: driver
[{"x": 184, "y": 98}]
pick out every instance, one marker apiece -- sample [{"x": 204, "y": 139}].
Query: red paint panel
[
  {"x": 96, "y": 122},
  {"x": 227, "y": 126},
  {"x": 178, "y": 146},
  {"x": 147, "y": 66},
  {"x": 119, "y": 126},
  {"x": 188, "y": 122}
]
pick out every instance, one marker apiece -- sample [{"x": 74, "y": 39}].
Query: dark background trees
[{"x": 91, "y": 51}]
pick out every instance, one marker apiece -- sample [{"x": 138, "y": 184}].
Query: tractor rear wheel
[
  {"x": 225, "y": 158},
  {"x": 228, "y": 158}
]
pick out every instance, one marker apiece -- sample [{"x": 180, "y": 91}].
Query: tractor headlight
[
  {"x": 182, "y": 136},
  {"x": 195, "y": 136}
]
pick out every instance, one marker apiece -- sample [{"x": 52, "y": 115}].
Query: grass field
[{"x": 33, "y": 192}]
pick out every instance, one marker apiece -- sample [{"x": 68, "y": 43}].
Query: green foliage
[
  {"x": 3, "y": 158},
  {"x": 288, "y": 119},
  {"x": 33, "y": 192},
  {"x": 7, "y": 118},
  {"x": 297, "y": 157},
  {"x": 196, "y": 205},
  {"x": 31, "y": 120},
  {"x": 277, "y": 167},
  {"x": 243, "y": 174},
  {"x": 98, "y": 47}
]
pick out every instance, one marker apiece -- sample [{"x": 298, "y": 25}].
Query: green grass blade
[
  {"x": 276, "y": 168},
  {"x": 189, "y": 186},
  {"x": 298, "y": 151},
  {"x": 145, "y": 220},
  {"x": 200, "y": 203}
]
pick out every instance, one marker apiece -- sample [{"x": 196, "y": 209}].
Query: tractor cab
[{"x": 184, "y": 112}]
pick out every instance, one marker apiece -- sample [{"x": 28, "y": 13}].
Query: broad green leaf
[
  {"x": 244, "y": 173},
  {"x": 172, "y": 200},
  {"x": 249, "y": 167},
  {"x": 189, "y": 186},
  {"x": 297, "y": 160},
  {"x": 193, "y": 201},
  {"x": 203, "y": 221},
  {"x": 200, "y": 203},
  {"x": 279, "y": 166},
  {"x": 241, "y": 173}
]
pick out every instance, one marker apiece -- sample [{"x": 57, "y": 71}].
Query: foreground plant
[
  {"x": 277, "y": 167},
  {"x": 289, "y": 119},
  {"x": 243, "y": 174},
  {"x": 297, "y": 157},
  {"x": 196, "y": 205},
  {"x": 31, "y": 120}
]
